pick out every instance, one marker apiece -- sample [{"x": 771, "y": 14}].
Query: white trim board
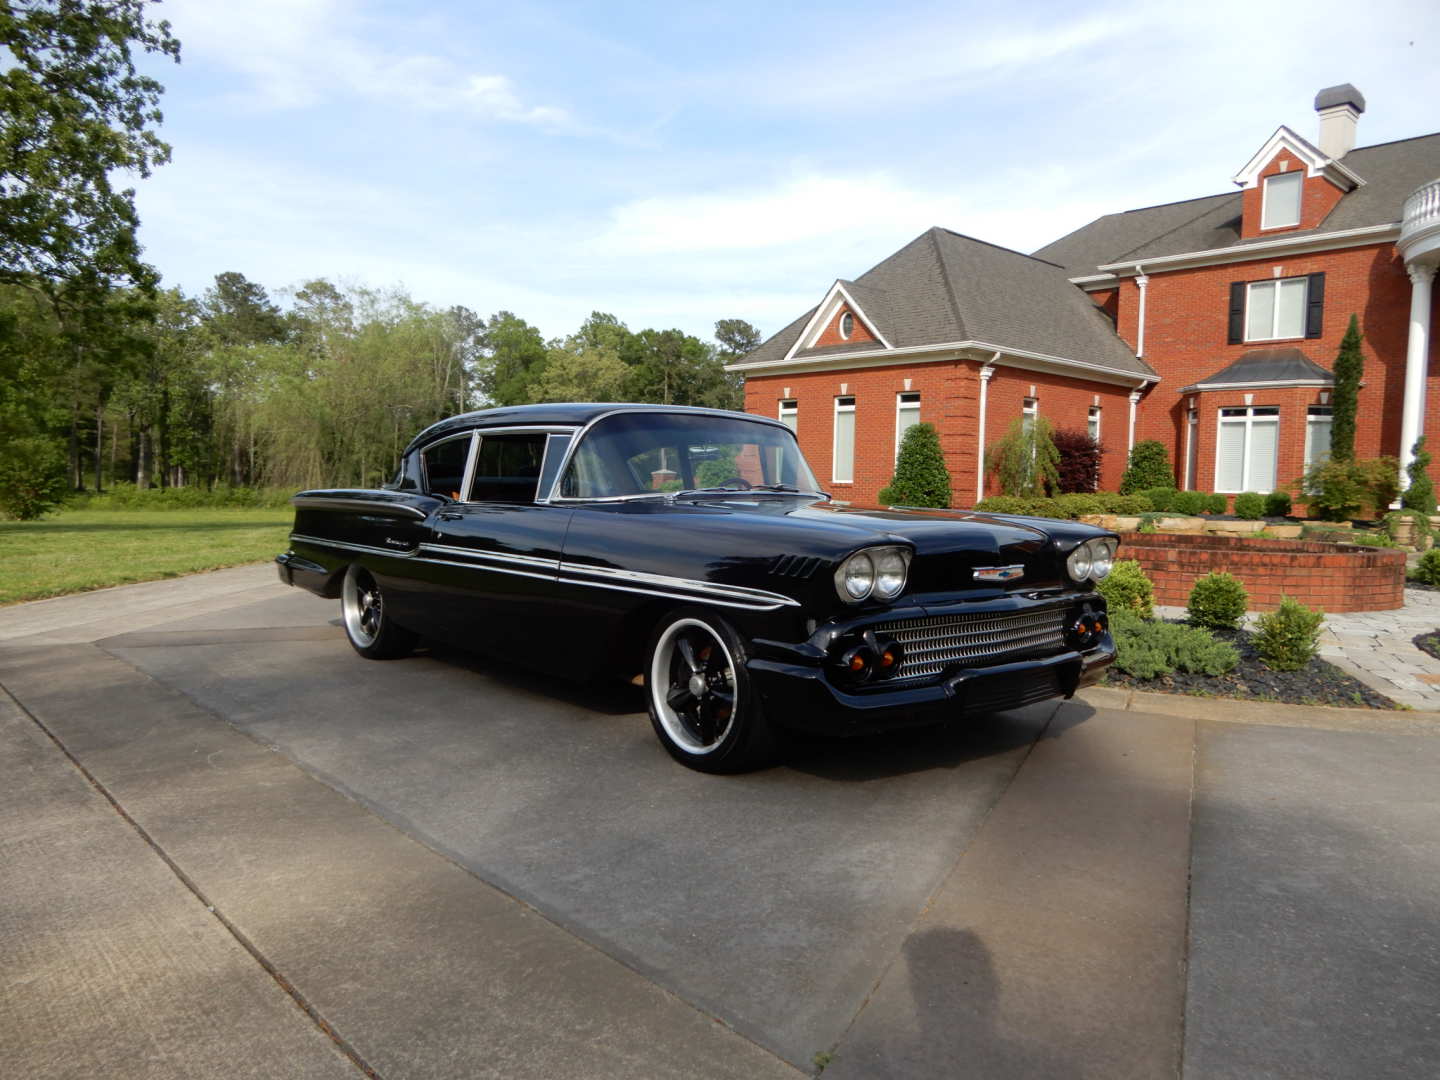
[
  {"x": 1314, "y": 160},
  {"x": 837, "y": 296},
  {"x": 1260, "y": 249}
]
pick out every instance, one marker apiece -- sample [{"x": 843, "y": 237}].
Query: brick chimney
[{"x": 1339, "y": 108}]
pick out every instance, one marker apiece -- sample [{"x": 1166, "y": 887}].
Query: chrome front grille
[{"x": 933, "y": 644}]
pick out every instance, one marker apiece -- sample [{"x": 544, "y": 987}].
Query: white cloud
[{"x": 301, "y": 53}]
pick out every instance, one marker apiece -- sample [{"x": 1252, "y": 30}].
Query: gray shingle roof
[
  {"x": 1344, "y": 94},
  {"x": 944, "y": 287},
  {"x": 1391, "y": 171},
  {"x": 1268, "y": 366}
]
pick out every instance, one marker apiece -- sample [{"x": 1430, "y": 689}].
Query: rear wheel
[
  {"x": 372, "y": 633},
  {"x": 702, "y": 705}
]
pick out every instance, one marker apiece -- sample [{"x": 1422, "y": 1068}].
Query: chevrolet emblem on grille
[{"x": 998, "y": 573}]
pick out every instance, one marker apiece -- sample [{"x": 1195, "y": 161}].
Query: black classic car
[{"x": 692, "y": 549}]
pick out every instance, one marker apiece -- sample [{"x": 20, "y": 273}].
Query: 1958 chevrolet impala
[{"x": 694, "y": 547}]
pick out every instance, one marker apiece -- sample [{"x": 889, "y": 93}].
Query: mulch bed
[
  {"x": 1317, "y": 683},
  {"x": 1428, "y": 643}
]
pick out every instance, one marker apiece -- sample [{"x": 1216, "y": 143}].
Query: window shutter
[
  {"x": 1230, "y": 461},
  {"x": 1237, "y": 312},
  {"x": 1315, "y": 305}
]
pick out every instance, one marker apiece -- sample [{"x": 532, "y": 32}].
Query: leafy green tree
[
  {"x": 514, "y": 359},
  {"x": 1349, "y": 369},
  {"x": 238, "y": 311},
  {"x": 1149, "y": 467},
  {"x": 74, "y": 112},
  {"x": 589, "y": 374},
  {"x": 1025, "y": 461},
  {"x": 921, "y": 478},
  {"x": 737, "y": 339},
  {"x": 670, "y": 367},
  {"x": 1420, "y": 494}
]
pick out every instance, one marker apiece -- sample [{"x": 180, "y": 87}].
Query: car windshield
[{"x": 645, "y": 453}]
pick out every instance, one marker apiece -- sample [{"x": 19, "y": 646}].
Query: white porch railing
[{"x": 1421, "y": 218}]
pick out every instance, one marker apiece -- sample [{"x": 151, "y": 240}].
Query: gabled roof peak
[{"x": 1315, "y": 161}]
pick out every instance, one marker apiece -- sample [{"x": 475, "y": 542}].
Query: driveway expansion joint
[{"x": 234, "y": 931}]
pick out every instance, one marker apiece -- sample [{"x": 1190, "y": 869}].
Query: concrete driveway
[{"x": 230, "y": 847}]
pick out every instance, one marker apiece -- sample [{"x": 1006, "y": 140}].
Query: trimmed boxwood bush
[
  {"x": 1188, "y": 503},
  {"x": 1148, "y": 650},
  {"x": 1289, "y": 637},
  {"x": 1149, "y": 467},
  {"x": 1064, "y": 506},
  {"x": 1420, "y": 494},
  {"x": 921, "y": 478},
  {"x": 1250, "y": 506},
  {"x": 1217, "y": 602},
  {"x": 1277, "y": 504},
  {"x": 1160, "y": 498},
  {"x": 1127, "y": 589},
  {"x": 1427, "y": 570},
  {"x": 1214, "y": 504}
]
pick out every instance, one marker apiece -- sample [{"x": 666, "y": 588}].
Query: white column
[
  {"x": 1130, "y": 442},
  {"x": 985, "y": 373},
  {"x": 1417, "y": 353},
  {"x": 1141, "y": 282}
]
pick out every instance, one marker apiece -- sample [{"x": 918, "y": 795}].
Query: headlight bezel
[
  {"x": 1097, "y": 555},
  {"x": 873, "y": 556}
]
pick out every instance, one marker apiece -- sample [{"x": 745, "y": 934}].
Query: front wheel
[
  {"x": 702, "y": 704},
  {"x": 372, "y": 632}
]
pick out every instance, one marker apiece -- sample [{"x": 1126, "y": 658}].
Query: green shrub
[
  {"x": 1427, "y": 570},
  {"x": 1127, "y": 589},
  {"x": 1189, "y": 503},
  {"x": 1397, "y": 518},
  {"x": 1277, "y": 504},
  {"x": 1217, "y": 602},
  {"x": 1334, "y": 490},
  {"x": 1147, "y": 650},
  {"x": 1214, "y": 504},
  {"x": 921, "y": 478},
  {"x": 1124, "y": 504},
  {"x": 1069, "y": 506},
  {"x": 1149, "y": 467},
  {"x": 1250, "y": 506},
  {"x": 1420, "y": 493},
  {"x": 1160, "y": 497},
  {"x": 1025, "y": 459},
  {"x": 32, "y": 477},
  {"x": 1076, "y": 504},
  {"x": 1288, "y": 637},
  {"x": 1382, "y": 482},
  {"x": 192, "y": 497}
]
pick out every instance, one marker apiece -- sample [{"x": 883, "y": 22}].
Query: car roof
[{"x": 575, "y": 414}]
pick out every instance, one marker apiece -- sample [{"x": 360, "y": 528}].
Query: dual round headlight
[
  {"x": 877, "y": 572},
  {"x": 1091, "y": 560}
]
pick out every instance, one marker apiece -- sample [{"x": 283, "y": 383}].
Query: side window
[
  {"x": 507, "y": 469},
  {"x": 445, "y": 467}
]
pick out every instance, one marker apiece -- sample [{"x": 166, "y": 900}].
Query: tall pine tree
[{"x": 1349, "y": 367}]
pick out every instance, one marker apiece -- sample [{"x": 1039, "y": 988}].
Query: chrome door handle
[{"x": 450, "y": 515}]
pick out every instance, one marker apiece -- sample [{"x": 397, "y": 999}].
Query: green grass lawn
[{"x": 77, "y": 550}]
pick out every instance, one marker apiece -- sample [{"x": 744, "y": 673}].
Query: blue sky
[{"x": 679, "y": 163}]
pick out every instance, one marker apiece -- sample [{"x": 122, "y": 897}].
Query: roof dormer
[{"x": 1289, "y": 184}]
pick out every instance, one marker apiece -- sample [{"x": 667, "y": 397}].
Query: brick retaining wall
[{"x": 1334, "y": 577}]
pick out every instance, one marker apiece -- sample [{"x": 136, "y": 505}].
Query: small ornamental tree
[
  {"x": 32, "y": 477},
  {"x": 921, "y": 478},
  {"x": 1349, "y": 368},
  {"x": 1420, "y": 495},
  {"x": 1079, "y": 464},
  {"x": 1149, "y": 468},
  {"x": 1025, "y": 461}
]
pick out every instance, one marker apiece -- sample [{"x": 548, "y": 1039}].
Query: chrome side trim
[
  {"x": 746, "y": 606},
  {"x": 395, "y": 553},
  {"x": 327, "y": 502},
  {"x": 491, "y": 569},
  {"x": 476, "y": 553},
  {"x": 708, "y": 588}
]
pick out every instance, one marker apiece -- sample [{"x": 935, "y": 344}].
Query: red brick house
[{"x": 1210, "y": 325}]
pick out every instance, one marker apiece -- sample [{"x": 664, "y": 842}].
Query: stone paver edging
[{"x": 1264, "y": 713}]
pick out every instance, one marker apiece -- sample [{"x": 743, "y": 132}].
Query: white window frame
[
  {"x": 846, "y": 325},
  {"x": 1092, "y": 422},
  {"x": 1275, "y": 283},
  {"x": 1315, "y": 414},
  {"x": 1192, "y": 438},
  {"x": 843, "y": 404},
  {"x": 1271, "y": 415},
  {"x": 1265, "y": 202},
  {"x": 900, "y": 403},
  {"x": 789, "y": 414}
]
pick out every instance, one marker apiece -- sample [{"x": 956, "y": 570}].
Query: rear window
[{"x": 445, "y": 467}]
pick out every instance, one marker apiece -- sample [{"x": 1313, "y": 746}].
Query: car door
[{"x": 495, "y": 552}]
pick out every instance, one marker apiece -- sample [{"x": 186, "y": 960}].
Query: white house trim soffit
[
  {"x": 1341, "y": 238},
  {"x": 954, "y": 350},
  {"x": 834, "y": 299},
  {"x": 1272, "y": 385}
]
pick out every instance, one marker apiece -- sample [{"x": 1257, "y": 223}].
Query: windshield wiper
[{"x": 768, "y": 489}]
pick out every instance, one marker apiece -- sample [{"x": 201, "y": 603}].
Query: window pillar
[{"x": 1412, "y": 418}]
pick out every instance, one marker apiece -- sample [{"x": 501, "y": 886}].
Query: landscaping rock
[
  {"x": 1180, "y": 525},
  {"x": 1284, "y": 532},
  {"x": 1234, "y": 528}
]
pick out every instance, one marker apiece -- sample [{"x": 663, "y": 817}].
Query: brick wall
[
  {"x": 1318, "y": 197},
  {"x": 1185, "y": 341},
  {"x": 1327, "y": 576},
  {"x": 831, "y": 334},
  {"x": 949, "y": 399}
]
